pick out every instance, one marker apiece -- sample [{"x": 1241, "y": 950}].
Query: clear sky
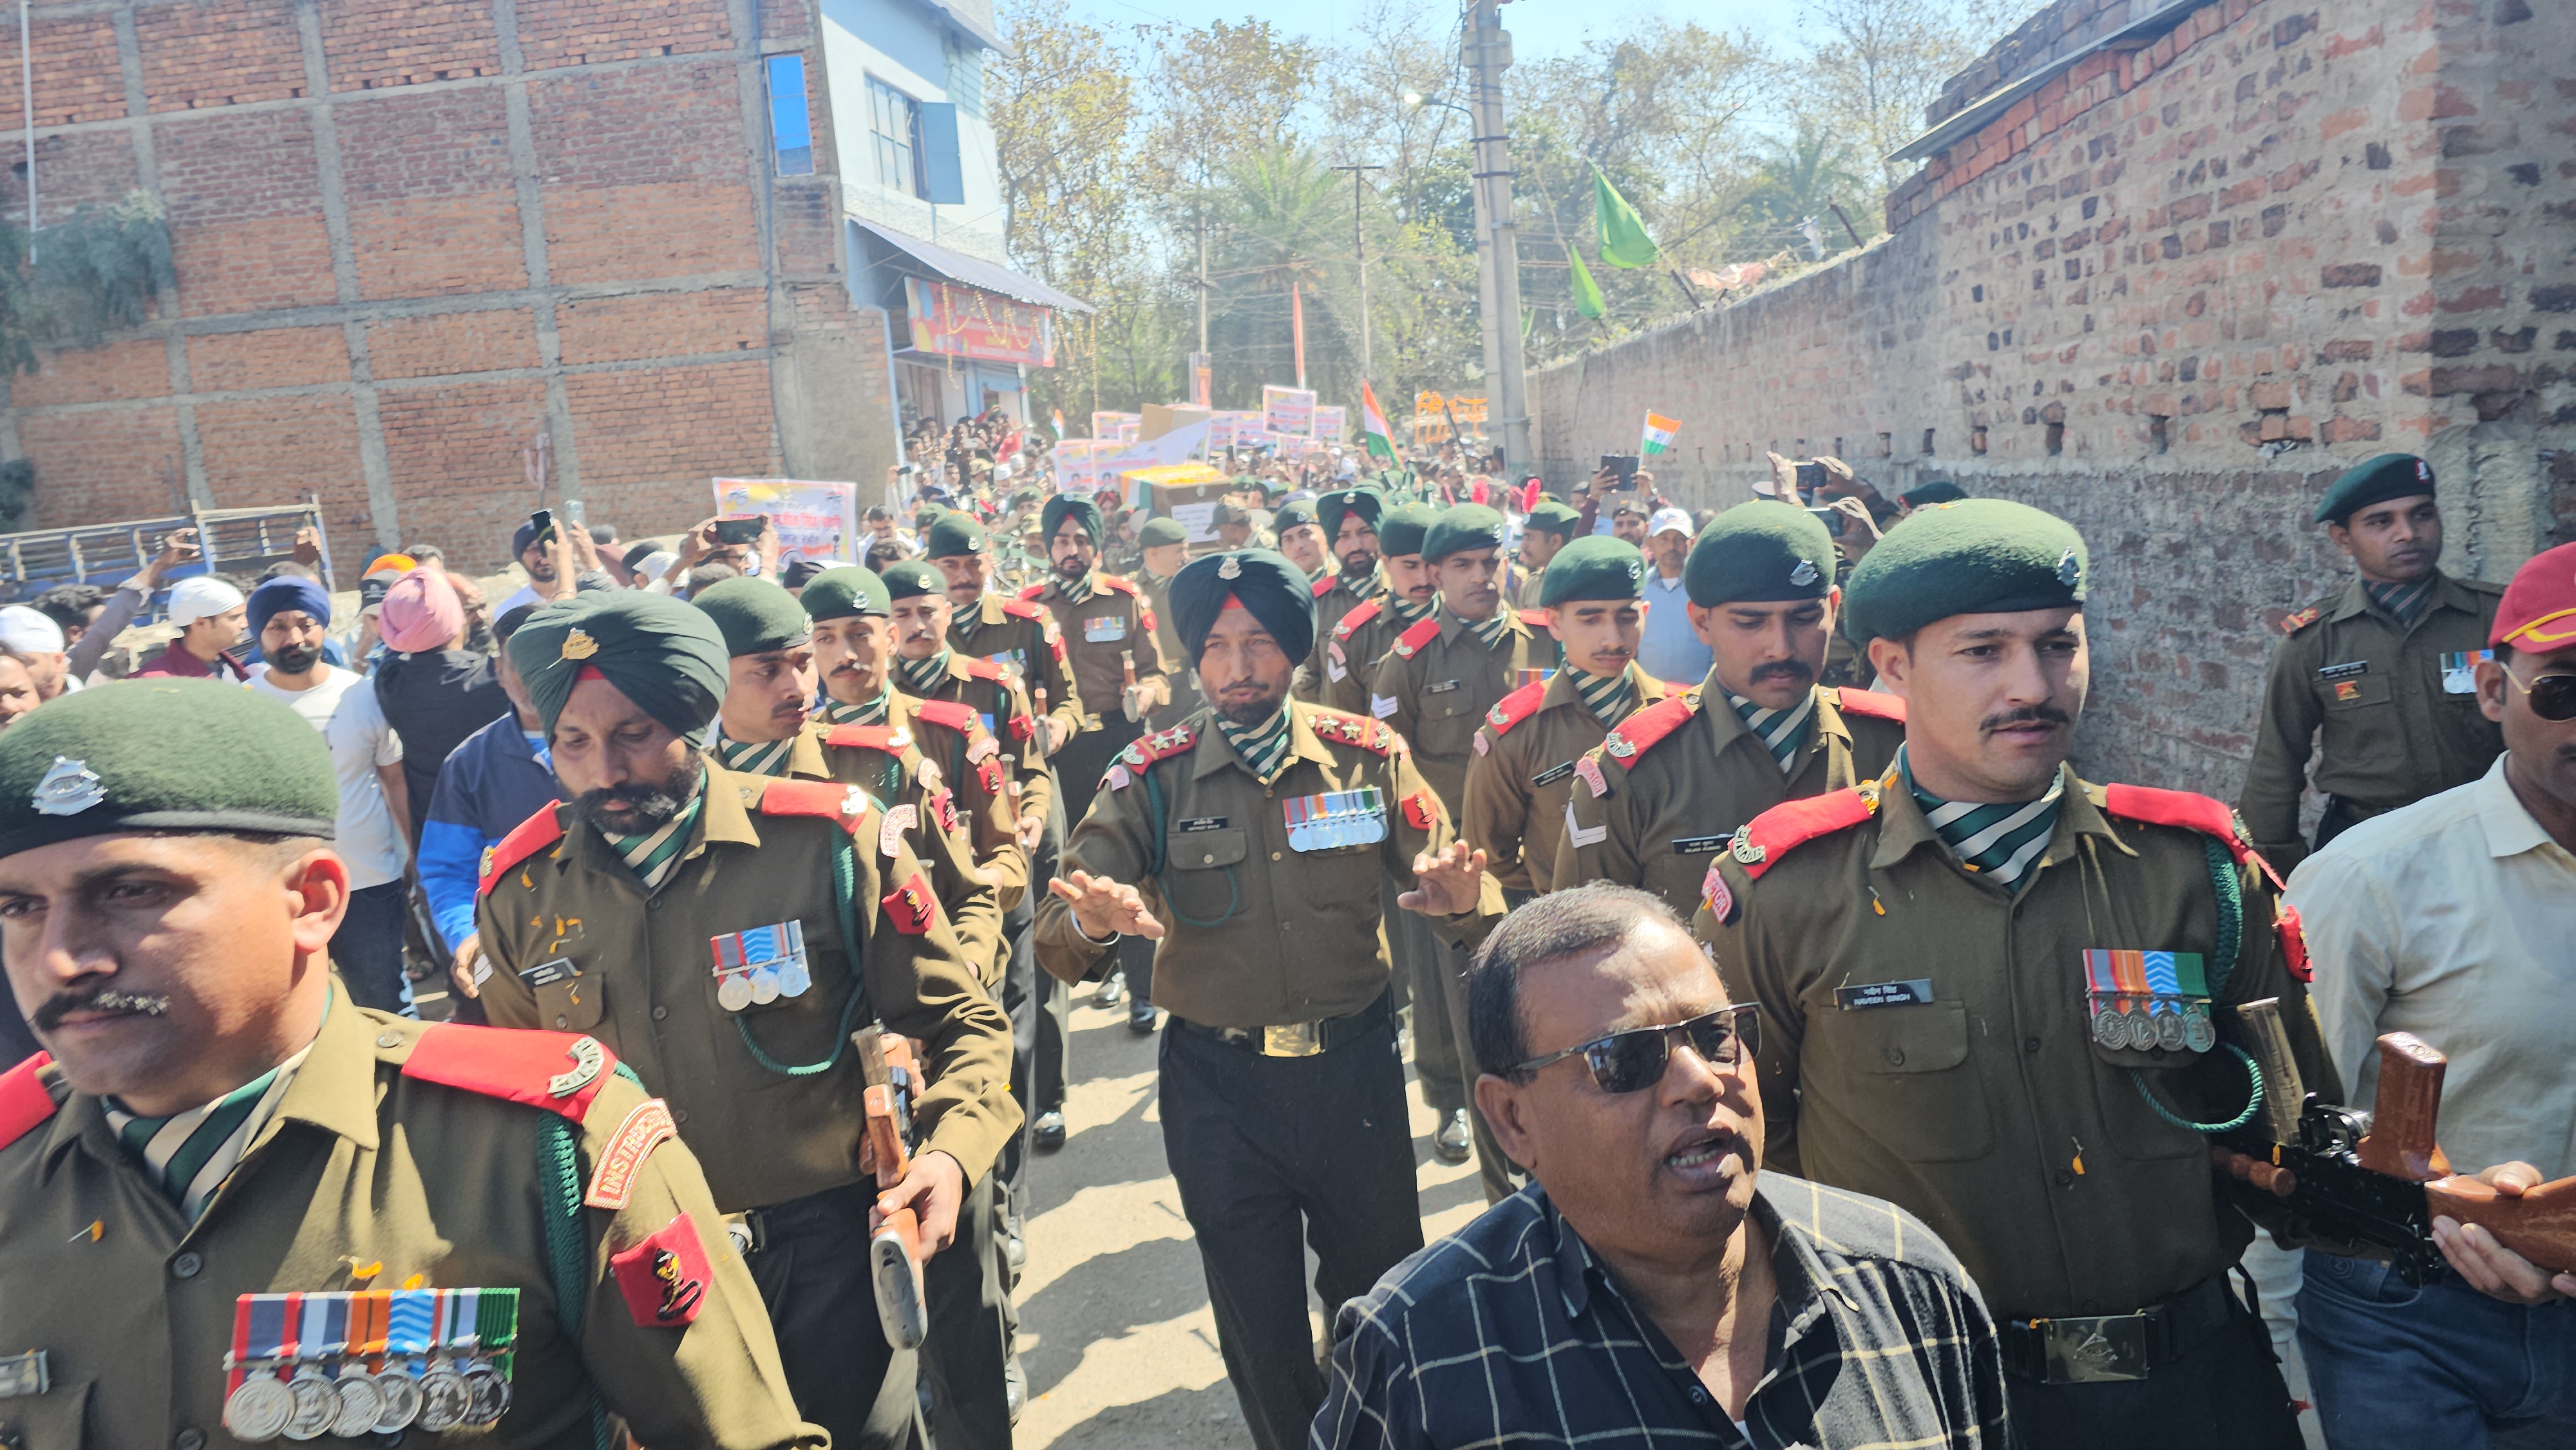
[{"x": 1539, "y": 28}]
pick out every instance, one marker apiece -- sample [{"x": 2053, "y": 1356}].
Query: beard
[
  {"x": 653, "y": 803},
  {"x": 1250, "y": 709},
  {"x": 295, "y": 660},
  {"x": 1072, "y": 568},
  {"x": 1359, "y": 566}
]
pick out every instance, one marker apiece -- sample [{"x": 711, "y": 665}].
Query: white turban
[
  {"x": 201, "y": 597},
  {"x": 29, "y": 631}
]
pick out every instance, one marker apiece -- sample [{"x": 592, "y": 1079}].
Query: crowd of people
[{"x": 625, "y": 1013}]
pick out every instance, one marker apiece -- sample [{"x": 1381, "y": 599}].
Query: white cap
[
  {"x": 1001, "y": 471},
  {"x": 1669, "y": 519},
  {"x": 29, "y": 631},
  {"x": 201, "y": 597},
  {"x": 655, "y": 564}
]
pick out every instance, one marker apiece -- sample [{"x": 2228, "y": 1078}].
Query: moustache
[
  {"x": 98, "y": 999},
  {"x": 2031, "y": 715},
  {"x": 1783, "y": 670}
]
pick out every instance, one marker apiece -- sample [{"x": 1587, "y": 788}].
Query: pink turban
[{"x": 422, "y": 613}]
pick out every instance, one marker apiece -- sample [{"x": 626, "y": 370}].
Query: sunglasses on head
[
  {"x": 1630, "y": 1061},
  {"x": 2553, "y": 697}
]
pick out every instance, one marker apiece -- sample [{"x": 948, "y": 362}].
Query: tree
[
  {"x": 1803, "y": 177},
  {"x": 1888, "y": 60}
]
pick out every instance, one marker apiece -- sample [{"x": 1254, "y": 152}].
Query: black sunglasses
[
  {"x": 1627, "y": 1062},
  {"x": 2553, "y": 697}
]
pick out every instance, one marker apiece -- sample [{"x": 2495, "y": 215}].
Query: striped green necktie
[
  {"x": 1489, "y": 632},
  {"x": 2405, "y": 601},
  {"x": 1264, "y": 748},
  {"x": 1609, "y": 698},
  {"x": 190, "y": 1154},
  {"x": 1780, "y": 731},
  {"x": 924, "y": 675},
  {"x": 1079, "y": 591},
  {"x": 1406, "y": 613},
  {"x": 871, "y": 713},
  {"x": 753, "y": 757},
  {"x": 655, "y": 855},
  {"x": 2001, "y": 841}
]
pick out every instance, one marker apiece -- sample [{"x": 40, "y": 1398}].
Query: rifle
[
  {"x": 2377, "y": 1178},
  {"x": 893, "y": 1076}
]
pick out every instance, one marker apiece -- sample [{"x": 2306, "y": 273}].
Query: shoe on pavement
[
  {"x": 1113, "y": 990},
  {"x": 1015, "y": 1252},
  {"x": 1048, "y": 1133},
  {"x": 1140, "y": 1016},
  {"x": 1454, "y": 1141}
]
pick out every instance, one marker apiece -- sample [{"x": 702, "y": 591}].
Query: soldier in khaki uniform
[
  {"x": 1408, "y": 592},
  {"x": 1945, "y": 1023},
  {"x": 219, "y": 1120},
  {"x": 1434, "y": 686},
  {"x": 2380, "y": 675},
  {"x": 1545, "y": 531},
  {"x": 1654, "y": 806},
  {"x": 1166, "y": 547},
  {"x": 646, "y": 913},
  {"x": 1250, "y": 842},
  {"x": 1348, "y": 519}
]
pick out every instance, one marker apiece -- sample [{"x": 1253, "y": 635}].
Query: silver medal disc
[
  {"x": 401, "y": 1396},
  {"x": 317, "y": 1404},
  {"x": 2198, "y": 1033},
  {"x": 733, "y": 992},
  {"x": 2110, "y": 1029},
  {"x": 2170, "y": 1031},
  {"x": 794, "y": 980},
  {"x": 2142, "y": 1029},
  {"x": 444, "y": 1399},
  {"x": 491, "y": 1395},
  {"x": 259, "y": 1410},
  {"x": 361, "y": 1405},
  {"x": 764, "y": 986}
]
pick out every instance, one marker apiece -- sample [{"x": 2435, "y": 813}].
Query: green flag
[
  {"x": 1624, "y": 242},
  {"x": 1587, "y": 293}
]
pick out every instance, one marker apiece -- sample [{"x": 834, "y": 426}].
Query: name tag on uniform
[
  {"x": 1552, "y": 774},
  {"x": 1914, "y": 993},
  {"x": 1336, "y": 819},
  {"x": 1200, "y": 823},
  {"x": 2460, "y": 671},
  {"x": 546, "y": 974},
  {"x": 1444, "y": 687},
  {"x": 1105, "y": 629},
  {"x": 1694, "y": 845},
  {"x": 2348, "y": 670},
  {"x": 761, "y": 965}
]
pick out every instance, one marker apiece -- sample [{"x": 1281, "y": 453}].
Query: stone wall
[{"x": 2169, "y": 294}]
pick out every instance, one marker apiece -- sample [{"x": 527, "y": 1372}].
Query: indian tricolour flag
[
  {"x": 1373, "y": 430},
  {"x": 1659, "y": 434}
]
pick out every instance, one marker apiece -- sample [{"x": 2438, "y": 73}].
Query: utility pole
[
  {"x": 1359, "y": 249},
  {"x": 1488, "y": 52}
]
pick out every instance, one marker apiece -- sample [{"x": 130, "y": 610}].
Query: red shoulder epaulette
[
  {"x": 1033, "y": 591},
  {"x": 2293, "y": 623},
  {"x": 1021, "y": 608},
  {"x": 828, "y": 799},
  {"x": 1350, "y": 729},
  {"x": 1144, "y": 750},
  {"x": 1418, "y": 636},
  {"x": 1538, "y": 619},
  {"x": 958, "y": 717},
  {"x": 864, "y": 737},
  {"x": 1122, "y": 584},
  {"x": 1325, "y": 585},
  {"x": 24, "y": 1103},
  {"x": 1650, "y": 725},
  {"x": 1785, "y": 827},
  {"x": 558, "y": 1071},
  {"x": 526, "y": 839},
  {"x": 2195, "y": 812},
  {"x": 1876, "y": 704},
  {"x": 1358, "y": 618},
  {"x": 1515, "y": 707},
  {"x": 984, "y": 669}
]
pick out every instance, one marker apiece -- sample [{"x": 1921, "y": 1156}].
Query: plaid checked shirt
[{"x": 1513, "y": 1332}]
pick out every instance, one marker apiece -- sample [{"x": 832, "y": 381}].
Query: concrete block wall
[
  {"x": 410, "y": 238},
  {"x": 2169, "y": 295}
]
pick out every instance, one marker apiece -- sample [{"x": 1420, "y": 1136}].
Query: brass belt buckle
[
  {"x": 1296, "y": 1039},
  {"x": 2096, "y": 1349}
]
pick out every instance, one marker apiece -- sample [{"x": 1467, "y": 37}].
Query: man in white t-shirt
[{"x": 290, "y": 617}]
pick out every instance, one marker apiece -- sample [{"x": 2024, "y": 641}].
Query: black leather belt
[
  {"x": 2096, "y": 1349},
  {"x": 1294, "y": 1039}
]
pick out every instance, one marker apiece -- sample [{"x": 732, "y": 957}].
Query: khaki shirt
[
  {"x": 1167, "y": 638},
  {"x": 1024, "y": 636},
  {"x": 1352, "y": 647},
  {"x": 1259, "y": 933},
  {"x": 1989, "y": 1111},
  {"x": 360, "y": 1166},
  {"x": 1517, "y": 787},
  {"x": 642, "y": 980},
  {"x": 1533, "y": 584},
  {"x": 1667, "y": 809},
  {"x": 1005, "y": 713},
  {"x": 1114, "y": 622},
  {"x": 969, "y": 762},
  {"x": 1437, "y": 695},
  {"x": 2394, "y": 732},
  {"x": 1334, "y": 601}
]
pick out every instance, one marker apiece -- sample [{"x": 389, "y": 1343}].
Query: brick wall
[
  {"x": 412, "y": 237},
  {"x": 2168, "y": 294}
]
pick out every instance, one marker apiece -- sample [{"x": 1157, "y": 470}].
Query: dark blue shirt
[{"x": 492, "y": 782}]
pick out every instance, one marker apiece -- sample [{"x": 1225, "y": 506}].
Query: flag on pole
[
  {"x": 1059, "y": 425},
  {"x": 1624, "y": 242},
  {"x": 1587, "y": 293},
  {"x": 1373, "y": 430},
  {"x": 1659, "y": 433}
]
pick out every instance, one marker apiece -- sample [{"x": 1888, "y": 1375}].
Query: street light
[{"x": 1417, "y": 98}]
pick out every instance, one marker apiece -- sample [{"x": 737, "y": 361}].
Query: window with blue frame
[{"x": 791, "y": 122}]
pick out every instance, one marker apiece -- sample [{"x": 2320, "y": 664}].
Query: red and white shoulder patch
[
  {"x": 1357, "y": 619},
  {"x": 1023, "y": 608},
  {"x": 612, "y": 1178},
  {"x": 887, "y": 738},
  {"x": 983, "y": 669},
  {"x": 1415, "y": 638},
  {"x": 952, "y": 714},
  {"x": 561, "y": 1072},
  {"x": 664, "y": 1279},
  {"x": 526, "y": 839},
  {"x": 1538, "y": 618},
  {"x": 1324, "y": 586},
  {"x": 1370, "y": 735},
  {"x": 1761, "y": 842},
  {"x": 1646, "y": 728},
  {"x": 1033, "y": 591},
  {"x": 1515, "y": 707},
  {"x": 1875, "y": 704}
]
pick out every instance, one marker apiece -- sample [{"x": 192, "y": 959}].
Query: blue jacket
[{"x": 491, "y": 783}]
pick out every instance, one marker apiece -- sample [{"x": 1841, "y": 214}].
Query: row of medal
[
  {"x": 759, "y": 966},
  {"x": 2144, "y": 1000},
  {"x": 1335, "y": 819},
  {"x": 361, "y": 1363}
]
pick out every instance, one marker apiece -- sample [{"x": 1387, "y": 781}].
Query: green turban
[
  {"x": 755, "y": 616},
  {"x": 1276, "y": 591},
  {"x": 1467, "y": 526},
  {"x": 1760, "y": 552},
  {"x": 664, "y": 655},
  {"x": 1594, "y": 567},
  {"x": 1977, "y": 556},
  {"x": 163, "y": 755},
  {"x": 954, "y": 534},
  {"x": 911, "y": 580},
  {"x": 1081, "y": 510},
  {"x": 1332, "y": 508},
  {"x": 2390, "y": 475},
  {"x": 846, "y": 592},
  {"x": 1401, "y": 530}
]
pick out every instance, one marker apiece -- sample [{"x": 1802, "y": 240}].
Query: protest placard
[
  {"x": 815, "y": 520},
  {"x": 1288, "y": 410}
]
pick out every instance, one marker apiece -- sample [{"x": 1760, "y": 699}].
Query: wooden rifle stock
[{"x": 893, "y": 1075}]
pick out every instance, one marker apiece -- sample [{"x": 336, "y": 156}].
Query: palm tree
[{"x": 1799, "y": 178}]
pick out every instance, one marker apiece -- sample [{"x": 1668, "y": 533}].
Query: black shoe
[
  {"x": 1113, "y": 990},
  {"x": 1450, "y": 1145},
  {"x": 1140, "y": 1016},
  {"x": 1048, "y": 1133}
]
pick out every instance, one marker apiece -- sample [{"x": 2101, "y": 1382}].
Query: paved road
[{"x": 1115, "y": 1329}]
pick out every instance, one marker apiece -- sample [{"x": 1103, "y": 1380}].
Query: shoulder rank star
[{"x": 579, "y": 646}]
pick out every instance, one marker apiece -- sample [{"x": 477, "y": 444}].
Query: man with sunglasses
[
  {"x": 2450, "y": 919},
  {"x": 1998, "y": 991},
  {"x": 1656, "y": 1283},
  {"x": 2378, "y": 675}
]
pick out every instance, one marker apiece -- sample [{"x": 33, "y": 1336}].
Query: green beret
[
  {"x": 755, "y": 616},
  {"x": 1400, "y": 531},
  {"x": 1551, "y": 517},
  {"x": 1066, "y": 506},
  {"x": 1977, "y": 556},
  {"x": 662, "y": 654},
  {"x": 1293, "y": 515},
  {"x": 1594, "y": 567},
  {"x": 955, "y": 533},
  {"x": 1759, "y": 552},
  {"x": 844, "y": 593},
  {"x": 1276, "y": 591},
  {"x": 109, "y": 759},
  {"x": 1939, "y": 490},
  {"x": 1330, "y": 509},
  {"x": 1467, "y": 526},
  {"x": 1159, "y": 531},
  {"x": 2390, "y": 475},
  {"x": 911, "y": 580}
]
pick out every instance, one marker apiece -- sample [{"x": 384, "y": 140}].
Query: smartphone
[
  {"x": 1811, "y": 476},
  {"x": 572, "y": 510},
  {"x": 1622, "y": 464},
  {"x": 1834, "y": 518},
  {"x": 739, "y": 531},
  {"x": 543, "y": 521},
  {"x": 908, "y": 468}
]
